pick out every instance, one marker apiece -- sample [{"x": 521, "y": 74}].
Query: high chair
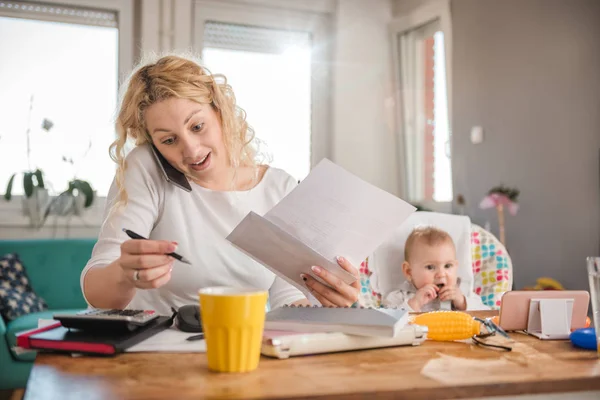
[{"x": 485, "y": 266}]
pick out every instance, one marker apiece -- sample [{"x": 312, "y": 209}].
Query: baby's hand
[
  {"x": 423, "y": 296},
  {"x": 453, "y": 293}
]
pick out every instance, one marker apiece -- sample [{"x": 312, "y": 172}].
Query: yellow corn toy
[{"x": 448, "y": 325}]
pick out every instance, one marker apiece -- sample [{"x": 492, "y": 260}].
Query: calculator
[{"x": 103, "y": 319}]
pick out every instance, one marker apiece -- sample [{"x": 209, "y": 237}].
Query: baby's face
[{"x": 433, "y": 264}]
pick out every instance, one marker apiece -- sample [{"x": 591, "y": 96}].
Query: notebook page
[
  {"x": 280, "y": 252},
  {"x": 338, "y": 214}
]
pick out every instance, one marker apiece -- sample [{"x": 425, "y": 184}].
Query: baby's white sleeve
[{"x": 398, "y": 299}]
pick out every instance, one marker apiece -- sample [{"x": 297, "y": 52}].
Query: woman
[{"x": 192, "y": 120}]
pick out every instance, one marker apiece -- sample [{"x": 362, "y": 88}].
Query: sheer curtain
[{"x": 424, "y": 114}]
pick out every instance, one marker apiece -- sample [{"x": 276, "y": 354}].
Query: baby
[{"x": 431, "y": 269}]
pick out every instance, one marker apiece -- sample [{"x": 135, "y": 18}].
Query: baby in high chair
[{"x": 431, "y": 270}]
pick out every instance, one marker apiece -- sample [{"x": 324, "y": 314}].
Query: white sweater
[{"x": 199, "y": 221}]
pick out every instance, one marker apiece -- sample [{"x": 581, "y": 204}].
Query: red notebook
[{"x": 56, "y": 337}]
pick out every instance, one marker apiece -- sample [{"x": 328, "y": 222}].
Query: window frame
[
  {"x": 428, "y": 12},
  {"x": 318, "y": 24},
  {"x": 11, "y": 214}
]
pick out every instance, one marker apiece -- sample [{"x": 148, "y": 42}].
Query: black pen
[
  {"x": 134, "y": 235},
  {"x": 199, "y": 336}
]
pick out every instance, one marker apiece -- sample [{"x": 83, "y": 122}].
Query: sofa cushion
[
  {"x": 24, "y": 323},
  {"x": 54, "y": 267},
  {"x": 17, "y": 297}
]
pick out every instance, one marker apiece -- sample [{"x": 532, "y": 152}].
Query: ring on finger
[{"x": 136, "y": 275}]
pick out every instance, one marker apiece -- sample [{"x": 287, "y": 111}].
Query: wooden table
[{"x": 533, "y": 367}]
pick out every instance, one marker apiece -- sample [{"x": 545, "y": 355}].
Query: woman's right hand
[{"x": 145, "y": 263}]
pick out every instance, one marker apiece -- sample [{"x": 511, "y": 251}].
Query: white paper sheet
[
  {"x": 283, "y": 254},
  {"x": 170, "y": 340},
  {"x": 330, "y": 213}
]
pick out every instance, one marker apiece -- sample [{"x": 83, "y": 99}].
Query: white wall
[
  {"x": 48, "y": 232},
  {"x": 528, "y": 73},
  {"x": 363, "y": 119}
]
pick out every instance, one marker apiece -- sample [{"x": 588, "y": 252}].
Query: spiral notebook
[{"x": 386, "y": 322}]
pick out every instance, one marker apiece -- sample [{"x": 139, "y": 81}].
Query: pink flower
[{"x": 495, "y": 199}]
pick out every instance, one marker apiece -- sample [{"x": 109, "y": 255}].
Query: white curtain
[{"x": 413, "y": 123}]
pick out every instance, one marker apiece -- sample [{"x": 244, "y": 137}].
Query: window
[
  {"x": 61, "y": 86},
  {"x": 277, "y": 62},
  {"x": 269, "y": 71},
  {"x": 425, "y": 134}
]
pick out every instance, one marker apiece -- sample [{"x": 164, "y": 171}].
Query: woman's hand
[
  {"x": 340, "y": 293},
  {"x": 145, "y": 263}
]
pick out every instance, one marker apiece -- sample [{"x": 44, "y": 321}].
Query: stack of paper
[
  {"x": 385, "y": 322},
  {"x": 331, "y": 213}
]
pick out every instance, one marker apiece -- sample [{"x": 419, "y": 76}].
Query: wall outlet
[{"x": 476, "y": 135}]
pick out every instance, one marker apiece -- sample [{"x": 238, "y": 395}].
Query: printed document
[{"x": 330, "y": 213}]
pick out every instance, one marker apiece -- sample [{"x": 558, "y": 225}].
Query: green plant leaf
[
  {"x": 28, "y": 183},
  {"x": 71, "y": 187},
  {"x": 40, "y": 178},
  {"x": 8, "y": 193}
]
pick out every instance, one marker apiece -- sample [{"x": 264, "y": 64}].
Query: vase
[
  {"x": 78, "y": 205},
  {"x": 62, "y": 205},
  {"x": 35, "y": 206}
]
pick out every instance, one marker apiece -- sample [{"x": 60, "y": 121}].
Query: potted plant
[
  {"x": 36, "y": 196},
  {"x": 498, "y": 197},
  {"x": 33, "y": 181},
  {"x": 78, "y": 196}
]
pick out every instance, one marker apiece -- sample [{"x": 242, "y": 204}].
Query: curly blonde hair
[{"x": 175, "y": 76}]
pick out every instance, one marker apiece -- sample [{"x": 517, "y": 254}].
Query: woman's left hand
[{"x": 340, "y": 294}]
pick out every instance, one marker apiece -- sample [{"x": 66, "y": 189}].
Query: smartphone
[
  {"x": 514, "y": 309},
  {"x": 171, "y": 174}
]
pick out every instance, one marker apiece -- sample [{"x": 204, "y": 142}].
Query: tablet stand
[{"x": 550, "y": 318}]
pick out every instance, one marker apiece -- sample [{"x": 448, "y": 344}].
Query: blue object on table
[{"x": 584, "y": 338}]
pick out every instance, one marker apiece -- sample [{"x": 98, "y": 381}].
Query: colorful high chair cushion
[
  {"x": 490, "y": 270},
  {"x": 386, "y": 261},
  {"x": 492, "y": 267}
]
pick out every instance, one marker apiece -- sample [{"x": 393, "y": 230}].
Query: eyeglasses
[{"x": 492, "y": 330}]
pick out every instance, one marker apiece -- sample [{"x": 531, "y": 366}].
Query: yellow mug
[{"x": 233, "y": 320}]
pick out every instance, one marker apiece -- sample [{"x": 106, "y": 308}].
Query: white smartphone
[{"x": 171, "y": 174}]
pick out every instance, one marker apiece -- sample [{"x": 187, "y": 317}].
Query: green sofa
[{"x": 54, "y": 267}]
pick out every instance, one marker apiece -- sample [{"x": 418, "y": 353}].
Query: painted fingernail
[
  {"x": 341, "y": 259},
  {"x": 316, "y": 270},
  {"x": 303, "y": 277},
  {"x": 172, "y": 247}
]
